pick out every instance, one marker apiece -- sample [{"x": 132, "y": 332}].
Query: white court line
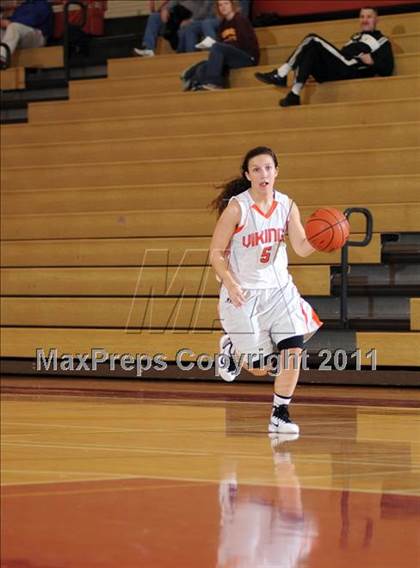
[
  {"x": 108, "y": 429},
  {"x": 96, "y": 429},
  {"x": 253, "y": 482},
  {"x": 103, "y": 489},
  {"x": 213, "y": 453},
  {"x": 109, "y": 475},
  {"x": 206, "y": 402}
]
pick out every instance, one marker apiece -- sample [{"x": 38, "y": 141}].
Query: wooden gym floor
[{"x": 102, "y": 473}]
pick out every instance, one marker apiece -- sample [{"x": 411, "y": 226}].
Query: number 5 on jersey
[{"x": 265, "y": 255}]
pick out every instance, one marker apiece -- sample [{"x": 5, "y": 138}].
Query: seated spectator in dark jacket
[
  {"x": 30, "y": 25},
  {"x": 368, "y": 53},
  {"x": 237, "y": 47}
]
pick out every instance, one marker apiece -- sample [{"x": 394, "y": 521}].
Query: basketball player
[
  {"x": 368, "y": 53},
  {"x": 260, "y": 307},
  {"x": 266, "y": 526}
]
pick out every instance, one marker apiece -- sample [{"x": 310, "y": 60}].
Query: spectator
[
  {"x": 168, "y": 18},
  {"x": 201, "y": 24},
  {"x": 368, "y": 53},
  {"x": 207, "y": 28},
  {"x": 29, "y": 25},
  {"x": 237, "y": 47}
]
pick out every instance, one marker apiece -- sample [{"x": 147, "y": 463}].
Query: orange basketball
[{"x": 327, "y": 229}]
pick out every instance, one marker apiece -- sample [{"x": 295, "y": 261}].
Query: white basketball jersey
[{"x": 257, "y": 253}]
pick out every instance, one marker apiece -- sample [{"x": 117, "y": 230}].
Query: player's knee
[{"x": 292, "y": 344}]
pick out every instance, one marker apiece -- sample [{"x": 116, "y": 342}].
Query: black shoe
[
  {"x": 188, "y": 73},
  {"x": 290, "y": 100},
  {"x": 272, "y": 78},
  {"x": 280, "y": 421}
]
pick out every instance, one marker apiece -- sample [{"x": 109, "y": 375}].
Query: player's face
[
  {"x": 225, "y": 8},
  {"x": 367, "y": 19},
  {"x": 262, "y": 173}
]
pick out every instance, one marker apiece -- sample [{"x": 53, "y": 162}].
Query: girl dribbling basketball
[{"x": 260, "y": 307}]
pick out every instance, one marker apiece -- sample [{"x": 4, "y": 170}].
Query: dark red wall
[{"x": 296, "y": 7}]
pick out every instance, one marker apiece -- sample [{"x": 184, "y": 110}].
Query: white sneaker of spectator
[
  {"x": 144, "y": 52},
  {"x": 206, "y": 43}
]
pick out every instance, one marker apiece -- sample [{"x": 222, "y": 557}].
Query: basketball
[{"x": 327, "y": 229}]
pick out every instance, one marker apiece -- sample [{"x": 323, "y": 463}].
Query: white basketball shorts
[{"x": 267, "y": 317}]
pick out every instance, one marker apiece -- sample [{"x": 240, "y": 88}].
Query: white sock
[
  {"x": 279, "y": 399},
  {"x": 296, "y": 89},
  {"x": 284, "y": 70}
]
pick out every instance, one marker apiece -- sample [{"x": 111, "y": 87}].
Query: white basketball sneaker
[
  {"x": 206, "y": 43},
  {"x": 226, "y": 348},
  {"x": 280, "y": 421},
  {"x": 143, "y": 52}
]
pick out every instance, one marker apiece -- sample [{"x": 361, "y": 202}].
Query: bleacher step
[
  {"x": 155, "y": 251},
  {"x": 183, "y": 122},
  {"x": 379, "y": 161},
  {"x": 378, "y": 280},
  {"x": 169, "y": 103},
  {"x": 401, "y": 247}
]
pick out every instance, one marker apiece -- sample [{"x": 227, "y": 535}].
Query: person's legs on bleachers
[
  {"x": 209, "y": 28},
  {"x": 323, "y": 62},
  {"x": 278, "y": 76},
  {"x": 151, "y": 33},
  {"x": 223, "y": 56},
  {"x": 188, "y": 36},
  {"x": 19, "y": 35},
  {"x": 313, "y": 56}
]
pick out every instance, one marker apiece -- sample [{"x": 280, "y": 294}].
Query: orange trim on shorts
[
  {"x": 269, "y": 212},
  {"x": 305, "y": 316},
  {"x": 316, "y": 318}
]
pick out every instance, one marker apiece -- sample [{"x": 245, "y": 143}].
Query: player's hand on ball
[{"x": 236, "y": 295}]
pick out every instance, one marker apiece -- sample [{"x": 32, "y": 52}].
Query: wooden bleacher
[
  {"x": 415, "y": 314},
  {"x": 393, "y": 135},
  {"x": 12, "y": 79},
  {"x": 403, "y": 109},
  {"x": 129, "y": 164},
  {"x": 130, "y": 252},
  {"x": 407, "y": 64},
  {"x": 172, "y": 222},
  {"x": 42, "y": 57},
  {"x": 244, "y": 97}
]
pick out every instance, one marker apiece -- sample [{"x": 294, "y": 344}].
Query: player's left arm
[{"x": 297, "y": 236}]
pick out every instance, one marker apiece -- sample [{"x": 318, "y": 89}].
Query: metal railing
[
  {"x": 345, "y": 260},
  {"x": 66, "y": 37}
]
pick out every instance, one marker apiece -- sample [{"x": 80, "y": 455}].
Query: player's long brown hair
[{"x": 240, "y": 184}]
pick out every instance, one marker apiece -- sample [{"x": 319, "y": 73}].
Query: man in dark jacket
[
  {"x": 366, "y": 54},
  {"x": 30, "y": 25}
]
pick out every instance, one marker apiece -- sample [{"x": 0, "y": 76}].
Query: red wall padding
[{"x": 295, "y": 7}]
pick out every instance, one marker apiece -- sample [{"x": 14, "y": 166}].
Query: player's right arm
[{"x": 225, "y": 228}]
